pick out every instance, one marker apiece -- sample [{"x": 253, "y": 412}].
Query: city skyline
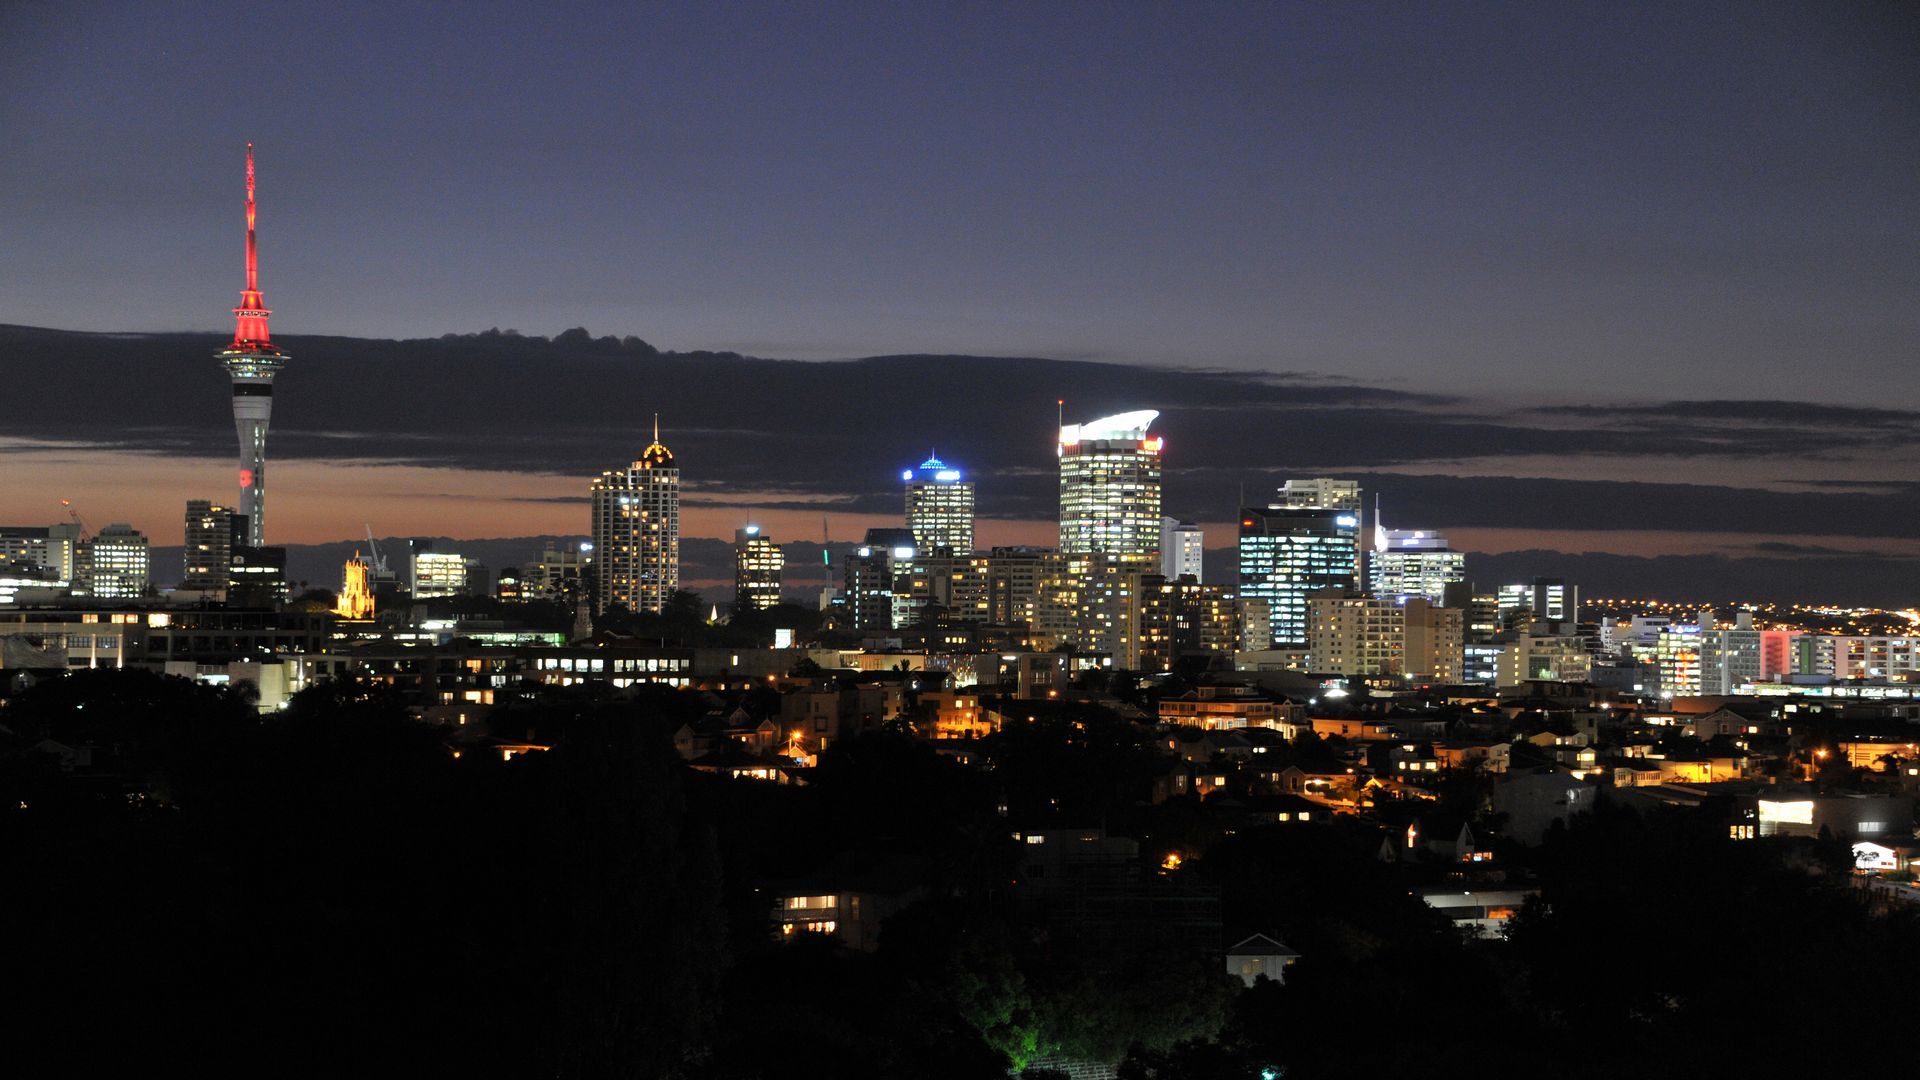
[
  {"x": 159, "y": 440},
  {"x": 1705, "y": 410}
]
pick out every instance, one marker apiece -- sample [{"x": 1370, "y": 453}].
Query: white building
[{"x": 1182, "y": 547}]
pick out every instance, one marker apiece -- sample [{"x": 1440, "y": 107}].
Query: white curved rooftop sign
[{"x": 1126, "y": 425}]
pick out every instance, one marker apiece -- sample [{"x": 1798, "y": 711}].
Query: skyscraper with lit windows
[
  {"x": 1306, "y": 541},
  {"x": 1413, "y": 562},
  {"x": 636, "y": 531},
  {"x": 757, "y": 567},
  {"x": 212, "y": 532},
  {"x": 939, "y": 507},
  {"x": 1110, "y": 489}
]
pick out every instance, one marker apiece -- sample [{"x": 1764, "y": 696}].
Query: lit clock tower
[{"x": 252, "y": 361}]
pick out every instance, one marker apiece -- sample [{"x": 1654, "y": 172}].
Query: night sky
[{"x": 1585, "y": 225}]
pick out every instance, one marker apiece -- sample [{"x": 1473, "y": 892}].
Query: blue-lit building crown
[
  {"x": 932, "y": 471},
  {"x": 939, "y": 506}
]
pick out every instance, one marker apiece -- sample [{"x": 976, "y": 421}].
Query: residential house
[{"x": 1258, "y": 957}]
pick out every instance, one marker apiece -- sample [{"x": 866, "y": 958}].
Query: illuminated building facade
[
  {"x": 1319, "y": 493},
  {"x": 438, "y": 573},
  {"x": 939, "y": 507},
  {"x": 955, "y": 581},
  {"x": 636, "y": 531},
  {"x": 53, "y": 548},
  {"x": 1176, "y": 618},
  {"x": 1288, "y": 551},
  {"x": 757, "y": 568},
  {"x": 1371, "y": 635},
  {"x": 1853, "y": 656},
  {"x": 875, "y": 591},
  {"x": 212, "y": 532},
  {"x": 1110, "y": 489},
  {"x": 1730, "y": 660},
  {"x": 114, "y": 564},
  {"x": 356, "y": 593},
  {"x": 1015, "y": 577},
  {"x": 251, "y": 362},
  {"x": 1678, "y": 657},
  {"x": 1413, "y": 563},
  {"x": 1541, "y": 600}
]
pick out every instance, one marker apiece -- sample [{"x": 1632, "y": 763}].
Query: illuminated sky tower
[{"x": 252, "y": 361}]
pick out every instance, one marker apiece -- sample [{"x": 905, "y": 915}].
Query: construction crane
[
  {"x": 378, "y": 561},
  {"x": 75, "y": 515}
]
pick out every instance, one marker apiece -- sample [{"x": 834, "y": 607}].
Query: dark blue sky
[{"x": 1533, "y": 200}]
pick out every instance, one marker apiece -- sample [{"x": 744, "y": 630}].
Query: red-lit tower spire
[
  {"x": 250, "y": 318},
  {"x": 252, "y": 361}
]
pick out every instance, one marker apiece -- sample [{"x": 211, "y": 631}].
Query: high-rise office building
[
  {"x": 1414, "y": 562},
  {"x": 1182, "y": 546},
  {"x": 212, "y": 532},
  {"x": 251, "y": 362},
  {"x": 757, "y": 568},
  {"x": 114, "y": 564},
  {"x": 1110, "y": 489},
  {"x": 636, "y": 531},
  {"x": 939, "y": 507},
  {"x": 1306, "y": 542}
]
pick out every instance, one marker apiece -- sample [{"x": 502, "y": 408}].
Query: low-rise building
[{"x": 1225, "y": 706}]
